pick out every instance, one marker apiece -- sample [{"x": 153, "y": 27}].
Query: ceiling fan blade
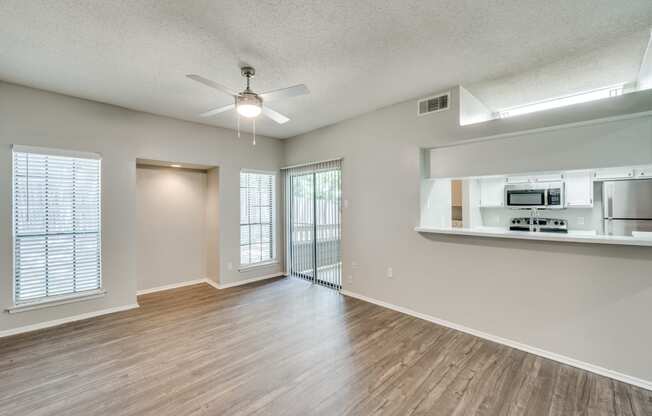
[
  {"x": 288, "y": 92},
  {"x": 211, "y": 84},
  {"x": 217, "y": 110},
  {"x": 274, "y": 115}
]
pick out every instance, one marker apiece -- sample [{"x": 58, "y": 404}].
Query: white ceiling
[
  {"x": 615, "y": 63},
  {"x": 355, "y": 56}
]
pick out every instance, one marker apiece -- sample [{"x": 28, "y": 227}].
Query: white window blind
[
  {"x": 57, "y": 244},
  {"x": 256, "y": 217}
]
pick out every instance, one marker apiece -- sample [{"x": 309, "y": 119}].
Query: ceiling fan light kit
[{"x": 247, "y": 103}]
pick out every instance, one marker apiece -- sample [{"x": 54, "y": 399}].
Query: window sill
[
  {"x": 56, "y": 301},
  {"x": 246, "y": 267}
]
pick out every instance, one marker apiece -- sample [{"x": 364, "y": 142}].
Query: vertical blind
[
  {"x": 57, "y": 216},
  {"x": 313, "y": 195},
  {"x": 256, "y": 217}
]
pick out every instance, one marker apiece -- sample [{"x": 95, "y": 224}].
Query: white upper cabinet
[
  {"x": 520, "y": 179},
  {"x": 541, "y": 177},
  {"x": 492, "y": 191},
  {"x": 614, "y": 173},
  {"x": 549, "y": 177},
  {"x": 643, "y": 171},
  {"x": 579, "y": 189}
]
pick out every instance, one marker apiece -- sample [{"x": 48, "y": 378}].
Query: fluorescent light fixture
[
  {"x": 175, "y": 166},
  {"x": 249, "y": 110},
  {"x": 582, "y": 97}
]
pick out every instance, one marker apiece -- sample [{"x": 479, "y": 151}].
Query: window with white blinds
[
  {"x": 56, "y": 213},
  {"x": 256, "y": 217}
]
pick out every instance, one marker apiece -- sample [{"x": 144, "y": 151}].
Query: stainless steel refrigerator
[{"x": 627, "y": 206}]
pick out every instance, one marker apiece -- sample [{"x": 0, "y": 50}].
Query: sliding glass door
[
  {"x": 313, "y": 212},
  {"x": 302, "y": 225}
]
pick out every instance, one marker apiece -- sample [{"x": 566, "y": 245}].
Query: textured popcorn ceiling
[{"x": 355, "y": 56}]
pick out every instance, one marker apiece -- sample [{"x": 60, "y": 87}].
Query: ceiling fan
[{"x": 249, "y": 104}]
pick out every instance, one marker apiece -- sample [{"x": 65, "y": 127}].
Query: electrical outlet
[
  {"x": 354, "y": 264},
  {"x": 229, "y": 266},
  {"x": 346, "y": 203},
  {"x": 349, "y": 278},
  {"x": 580, "y": 220},
  {"x": 390, "y": 273}
]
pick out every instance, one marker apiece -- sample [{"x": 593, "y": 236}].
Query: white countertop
[{"x": 574, "y": 236}]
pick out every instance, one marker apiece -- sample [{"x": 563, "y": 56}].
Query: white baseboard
[
  {"x": 209, "y": 282},
  {"x": 247, "y": 281},
  {"x": 172, "y": 286},
  {"x": 57, "y": 322},
  {"x": 514, "y": 344},
  {"x": 212, "y": 283}
]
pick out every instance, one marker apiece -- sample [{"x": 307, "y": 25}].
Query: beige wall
[
  {"x": 38, "y": 118},
  {"x": 172, "y": 226},
  {"x": 590, "y": 303}
]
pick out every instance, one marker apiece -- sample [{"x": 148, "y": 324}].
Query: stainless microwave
[{"x": 549, "y": 195}]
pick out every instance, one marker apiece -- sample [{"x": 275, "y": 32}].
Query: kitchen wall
[
  {"x": 34, "y": 117},
  {"x": 590, "y": 303},
  {"x": 172, "y": 226}
]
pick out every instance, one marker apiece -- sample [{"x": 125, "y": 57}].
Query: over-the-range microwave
[{"x": 548, "y": 195}]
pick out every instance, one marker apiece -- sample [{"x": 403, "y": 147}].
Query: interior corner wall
[
  {"x": 172, "y": 226},
  {"x": 34, "y": 117},
  {"x": 213, "y": 225},
  {"x": 590, "y": 303}
]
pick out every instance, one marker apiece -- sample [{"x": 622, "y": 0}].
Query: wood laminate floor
[{"x": 284, "y": 347}]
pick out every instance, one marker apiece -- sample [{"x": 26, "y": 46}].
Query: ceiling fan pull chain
[{"x": 254, "y": 131}]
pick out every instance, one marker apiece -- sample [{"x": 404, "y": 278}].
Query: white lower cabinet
[{"x": 579, "y": 189}]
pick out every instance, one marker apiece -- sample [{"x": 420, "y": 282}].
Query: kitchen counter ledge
[{"x": 590, "y": 237}]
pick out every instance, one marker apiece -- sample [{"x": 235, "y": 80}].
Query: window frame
[
  {"x": 63, "y": 298},
  {"x": 273, "y": 240}
]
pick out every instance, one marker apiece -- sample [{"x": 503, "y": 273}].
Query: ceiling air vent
[{"x": 433, "y": 104}]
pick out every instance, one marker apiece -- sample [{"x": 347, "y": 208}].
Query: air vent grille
[{"x": 433, "y": 104}]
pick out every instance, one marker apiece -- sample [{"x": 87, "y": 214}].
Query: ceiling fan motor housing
[
  {"x": 247, "y": 71},
  {"x": 248, "y": 98}
]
